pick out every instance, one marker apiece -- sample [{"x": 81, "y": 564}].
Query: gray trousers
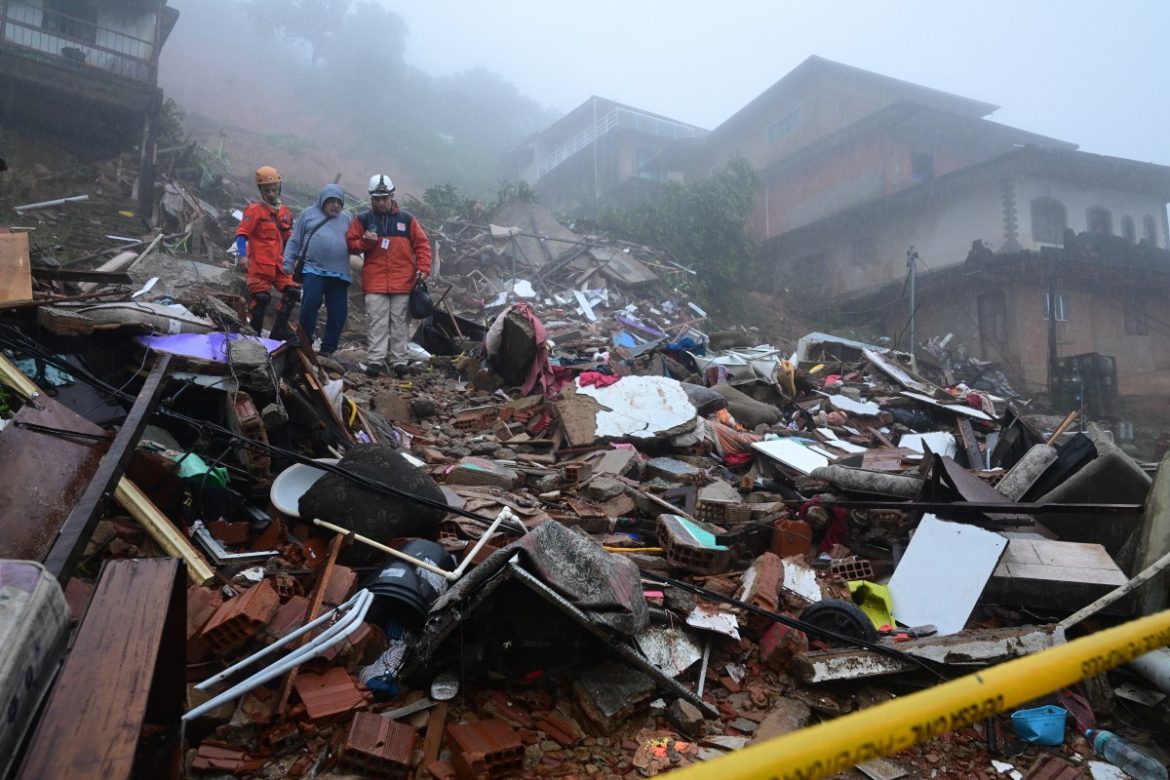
[{"x": 387, "y": 327}]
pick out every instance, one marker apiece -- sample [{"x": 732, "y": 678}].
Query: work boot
[
  {"x": 400, "y": 370},
  {"x": 375, "y": 368}
]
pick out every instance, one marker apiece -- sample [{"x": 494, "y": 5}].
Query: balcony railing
[{"x": 78, "y": 40}]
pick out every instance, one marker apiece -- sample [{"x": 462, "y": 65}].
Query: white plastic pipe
[
  {"x": 1155, "y": 667},
  {"x": 505, "y": 514},
  {"x": 272, "y": 648},
  {"x": 333, "y": 635},
  {"x": 44, "y": 204}
]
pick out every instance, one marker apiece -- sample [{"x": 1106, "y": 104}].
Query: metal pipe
[
  {"x": 320, "y": 644},
  {"x": 226, "y": 673},
  {"x": 49, "y": 203}
]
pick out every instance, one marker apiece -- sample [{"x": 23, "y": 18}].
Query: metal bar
[{"x": 66, "y": 550}]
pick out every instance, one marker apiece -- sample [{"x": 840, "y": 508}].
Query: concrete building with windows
[
  {"x": 858, "y": 170},
  {"x": 600, "y": 150}
]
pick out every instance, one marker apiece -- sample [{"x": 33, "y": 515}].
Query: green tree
[{"x": 702, "y": 225}]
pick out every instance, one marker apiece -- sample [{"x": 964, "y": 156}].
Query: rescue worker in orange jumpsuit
[{"x": 260, "y": 241}]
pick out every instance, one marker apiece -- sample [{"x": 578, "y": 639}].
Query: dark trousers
[{"x": 334, "y": 293}]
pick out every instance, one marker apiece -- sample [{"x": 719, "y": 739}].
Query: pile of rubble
[{"x": 593, "y": 537}]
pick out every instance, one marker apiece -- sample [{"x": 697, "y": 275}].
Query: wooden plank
[
  {"x": 970, "y": 445},
  {"x": 71, "y": 275},
  {"x": 309, "y": 373},
  {"x": 76, "y": 530},
  {"x": 436, "y": 725},
  {"x": 15, "y": 273},
  {"x": 116, "y": 680},
  {"x": 315, "y": 598},
  {"x": 43, "y": 476}
]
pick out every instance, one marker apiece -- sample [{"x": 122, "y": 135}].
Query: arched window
[
  {"x": 1150, "y": 230},
  {"x": 1128, "y": 232},
  {"x": 1099, "y": 221},
  {"x": 1049, "y": 220}
]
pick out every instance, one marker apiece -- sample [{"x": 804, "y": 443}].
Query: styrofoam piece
[
  {"x": 943, "y": 573},
  {"x": 793, "y": 453},
  {"x": 640, "y": 406},
  {"x": 294, "y": 482},
  {"x": 939, "y": 442},
  {"x": 959, "y": 408}
]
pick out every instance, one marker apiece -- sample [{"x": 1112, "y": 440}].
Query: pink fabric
[{"x": 596, "y": 379}]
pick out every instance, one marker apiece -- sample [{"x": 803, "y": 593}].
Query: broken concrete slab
[
  {"x": 611, "y": 694},
  {"x": 973, "y": 648},
  {"x": 786, "y": 716}
]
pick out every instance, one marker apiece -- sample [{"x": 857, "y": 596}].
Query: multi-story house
[{"x": 84, "y": 72}]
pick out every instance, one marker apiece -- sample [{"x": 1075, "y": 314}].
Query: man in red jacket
[
  {"x": 260, "y": 241},
  {"x": 397, "y": 253}
]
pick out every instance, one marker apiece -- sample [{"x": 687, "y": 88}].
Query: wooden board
[
  {"x": 43, "y": 477},
  {"x": 117, "y": 680},
  {"x": 15, "y": 273}
]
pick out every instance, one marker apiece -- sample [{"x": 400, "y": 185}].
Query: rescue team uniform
[
  {"x": 266, "y": 231},
  {"x": 392, "y": 263}
]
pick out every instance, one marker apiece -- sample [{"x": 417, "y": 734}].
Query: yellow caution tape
[{"x": 839, "y": 744}]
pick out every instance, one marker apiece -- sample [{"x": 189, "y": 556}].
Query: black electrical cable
[
  {"x": 28, "y": 345},
  {"x": 48, "y": 429}
]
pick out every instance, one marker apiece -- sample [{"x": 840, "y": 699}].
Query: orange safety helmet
[{"x": 266, "y": 174}]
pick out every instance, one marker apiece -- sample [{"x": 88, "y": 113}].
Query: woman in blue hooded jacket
[{"x": 320, "y": 231}]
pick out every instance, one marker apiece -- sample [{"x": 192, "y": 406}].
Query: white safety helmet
[{"x": 380, "y": 185}]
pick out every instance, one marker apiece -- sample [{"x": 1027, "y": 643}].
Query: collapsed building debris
[{"x": 589, "y": 537}]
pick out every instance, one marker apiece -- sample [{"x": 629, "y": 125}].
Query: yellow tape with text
[{"x": 828, "y": 748}]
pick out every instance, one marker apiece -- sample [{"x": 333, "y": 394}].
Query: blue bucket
[{"x": 1041, "y": 725}]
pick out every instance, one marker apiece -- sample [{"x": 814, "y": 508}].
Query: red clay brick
[
  {"x": 330, "y": 693},
  {"x": 377, "y": 747},
  {"x": 240, "y": 618},
  {"x": 485, "y": 748}
]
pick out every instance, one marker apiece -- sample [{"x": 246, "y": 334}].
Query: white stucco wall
[{"x": 1078, "y": 199}]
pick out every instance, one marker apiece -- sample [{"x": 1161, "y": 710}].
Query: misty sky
[{"x": 1092, "y": 73}]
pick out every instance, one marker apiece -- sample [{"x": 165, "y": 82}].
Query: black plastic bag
[{"x": 421, "y": 305}]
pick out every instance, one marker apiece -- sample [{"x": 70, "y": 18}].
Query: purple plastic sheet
[{"x": 208, "y": 346}]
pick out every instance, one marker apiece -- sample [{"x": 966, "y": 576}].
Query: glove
[{"x": 293, "y": 292}]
